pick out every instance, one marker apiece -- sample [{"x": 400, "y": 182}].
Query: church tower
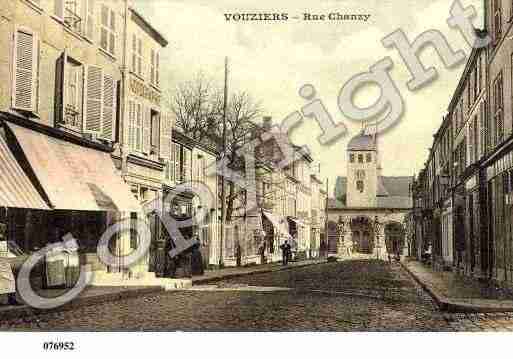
[{"x": 362, "y": 171}]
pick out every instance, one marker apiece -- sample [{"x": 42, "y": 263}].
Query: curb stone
[
  {"x": 447, "y": 305},
  {"x": 24, "y": 311}
]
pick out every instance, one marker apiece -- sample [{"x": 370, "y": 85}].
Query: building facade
[
  {"x": 75, "y": 90},
  {"x": 368, "y": 212}
]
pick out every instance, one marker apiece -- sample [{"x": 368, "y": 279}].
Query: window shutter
[
  {"x": 146, "y": 130},
  {"x": 157, "y": 69},
  {"x": 165, "y": 136},
  {"x": 59, "y": 9},
  {"x": 109, "y": 108},
  {"x": 60, "y": 83},
  {"x": 93, "y": 100},
  {"x": 152, "y": 67},
  {"x": 25, "y": 73},
  {"x": 134, "y": 54},
  {"x": 131, "y": 125}
]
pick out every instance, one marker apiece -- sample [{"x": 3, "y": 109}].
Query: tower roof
[{"x": 362, "y": 142}]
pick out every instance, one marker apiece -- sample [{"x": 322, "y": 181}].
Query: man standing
[{"x": 285, "y": 252}]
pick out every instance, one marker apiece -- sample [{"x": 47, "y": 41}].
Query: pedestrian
[{"x": 285, "y": 252}]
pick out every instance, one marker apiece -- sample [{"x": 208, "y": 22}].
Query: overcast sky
[{"x": 273, "y": 60}]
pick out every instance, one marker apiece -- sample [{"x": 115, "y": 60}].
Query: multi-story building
[{"x": 81, "y": 85}]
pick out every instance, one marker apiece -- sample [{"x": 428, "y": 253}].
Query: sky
[{"x": 272, "y": 60}]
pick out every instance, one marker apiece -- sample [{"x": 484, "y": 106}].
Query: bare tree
[{"x": 198, "y": 109}]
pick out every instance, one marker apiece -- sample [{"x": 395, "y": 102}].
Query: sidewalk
[
  {"x": 232, "y": 272},
  {"x": 91, "y": 295},
  {"x": 454, "y": 293}
]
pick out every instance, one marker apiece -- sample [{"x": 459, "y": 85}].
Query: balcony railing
[
  {"x": 71, "y": 116},
  {"x": 71, "y": 18}
]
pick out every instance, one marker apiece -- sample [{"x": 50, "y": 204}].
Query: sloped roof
[
  {"x": 362, "y": 142},
  {"x": 393, "y": 192},
  {"x": 397, "y": 186}
]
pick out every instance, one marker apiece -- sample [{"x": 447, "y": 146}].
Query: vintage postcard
[{"x": 255, "y": 166}]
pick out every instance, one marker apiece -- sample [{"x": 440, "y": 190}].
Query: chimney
[{"x": 267, "y": 123}]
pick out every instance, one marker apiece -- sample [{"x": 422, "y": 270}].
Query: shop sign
[{"x": 140, "y": 89}]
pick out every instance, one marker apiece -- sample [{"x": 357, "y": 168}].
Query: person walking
[{"x": 285, "y": 252}]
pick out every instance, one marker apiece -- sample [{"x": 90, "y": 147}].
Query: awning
[
  {"x": 74, "y": 177},
  {"x": 278, "y": 223},
  {"x": 16, "y": 189}
]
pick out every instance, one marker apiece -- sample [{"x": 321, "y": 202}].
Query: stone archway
[
  {"x": 363, "y": 234},
  {"x": 394, "y": 237}
]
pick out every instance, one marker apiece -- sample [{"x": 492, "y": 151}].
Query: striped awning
[{"x": 16, "y": 189}]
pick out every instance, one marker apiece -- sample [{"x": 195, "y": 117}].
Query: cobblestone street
[{"x": 359, "y": 295}]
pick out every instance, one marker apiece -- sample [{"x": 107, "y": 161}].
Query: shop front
[
  {"x": 83, "y": 195},
  {"x": 499, "y": 176}
]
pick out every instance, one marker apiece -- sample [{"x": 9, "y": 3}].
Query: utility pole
[
  {"x": 223, "y": 154},
  {"x": 326, "y": 218}
]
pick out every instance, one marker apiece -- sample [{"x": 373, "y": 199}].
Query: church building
[{"x": 367, "y": 212}]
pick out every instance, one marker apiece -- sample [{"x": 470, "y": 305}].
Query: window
[
  {"x": 25, "y": 93},
  {"x": 71, "y": 74},
  {"x": 100, "y": 103},
  {"x": 368, "y": 157},
  {"x": 155, "y": 70},
  {"x": 498, "y": 109},
  {"x": 360, "y": 186},
  {"x": 470, "y": 142},
  {"x": 482, "y": 129},
  {"x": 155, "y": 131},
  {"x": 137, "y": 56},
  {"x": 108, "y": 30},
  {"x": 360, "y": 174},
  {"x": 360, "y": 158},
  {"x": 497, "y": 20},
  {"x": 133, "y": 231},
  {"x": 135, "y": 126},
  {"x": 186, "y": 164},
  {"x": 475, "y": 140}
]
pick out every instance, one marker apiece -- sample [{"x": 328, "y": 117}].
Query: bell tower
[{"x": 362, "y": 171}]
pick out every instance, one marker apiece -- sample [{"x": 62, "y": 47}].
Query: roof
[
  {"x": 362, "y": 142},
  {"x": 154, "y": 32},
  {"x": 392, "y": 192}
]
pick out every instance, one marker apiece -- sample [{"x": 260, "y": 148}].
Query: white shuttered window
[
  {"x": 26, "y": 63},
  {"x": 108, "y": 30},
  {"x": 100, "y": 102}
]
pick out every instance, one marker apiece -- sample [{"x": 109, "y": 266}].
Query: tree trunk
[{"x": 229, "y": 204}]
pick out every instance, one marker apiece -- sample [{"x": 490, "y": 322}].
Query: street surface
[{"x": 358, "y": 295}]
